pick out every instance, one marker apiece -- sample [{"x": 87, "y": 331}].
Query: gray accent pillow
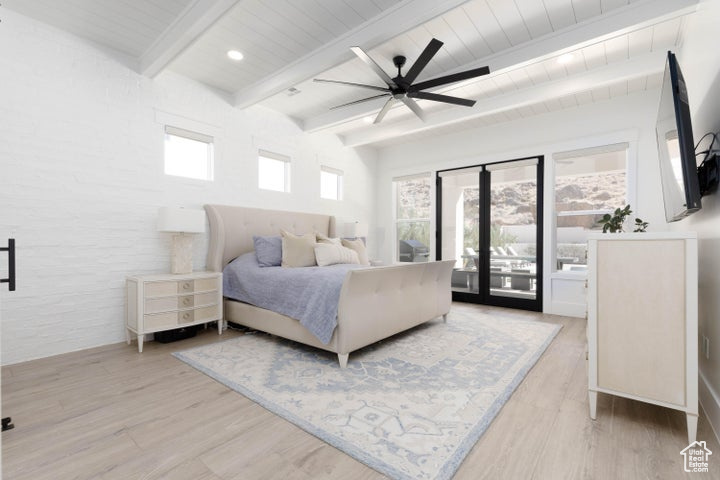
[{"x": 268, "y": 251}]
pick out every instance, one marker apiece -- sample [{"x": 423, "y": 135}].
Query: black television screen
[{"x": 676, "y": 150}]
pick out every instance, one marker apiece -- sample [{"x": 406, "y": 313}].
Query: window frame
[
  {"x": 629, "y": 147},
  {"x": 287, "y": 167},
  {"x": 339, "y": 182},
  {"x": 209, "y": 140},
  {"x": 429, "y": 220}
]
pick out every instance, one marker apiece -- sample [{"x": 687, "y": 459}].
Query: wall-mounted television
[{"x": 676, "y": 149}]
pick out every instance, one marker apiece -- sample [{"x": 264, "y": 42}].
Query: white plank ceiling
[
  {"x": 129, "y": 26},
  {"x": 617, "y": 48},
  {"x": 271, "y": 34}
]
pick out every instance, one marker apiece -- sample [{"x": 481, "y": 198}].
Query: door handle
[{"x": 11, "y": 264}]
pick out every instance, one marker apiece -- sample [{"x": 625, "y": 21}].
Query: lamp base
[{"x": 181, "y": 261}]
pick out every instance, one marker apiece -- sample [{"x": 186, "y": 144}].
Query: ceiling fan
[{"x": 402, "y": 88}]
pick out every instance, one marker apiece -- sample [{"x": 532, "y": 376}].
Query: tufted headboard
[{"x": 232, "y": 229}]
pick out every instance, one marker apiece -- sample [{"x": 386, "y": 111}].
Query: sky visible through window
[
  {"x": 185, "y": 157},
  {"x": 271, "y": 174},
  {"x": 330, "y": 185}
]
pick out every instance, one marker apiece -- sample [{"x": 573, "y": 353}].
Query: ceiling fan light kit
[{"x": 402, "y": 89}]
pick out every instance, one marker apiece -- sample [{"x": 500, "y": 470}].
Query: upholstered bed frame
[{"x": 375, "y": 303}]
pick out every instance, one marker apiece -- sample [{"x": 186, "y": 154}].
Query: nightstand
[{"x": 156, "y": 303}]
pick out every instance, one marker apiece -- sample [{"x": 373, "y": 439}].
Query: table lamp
[
  {"x": 355, "y": 230},
  {"x": 181, "y": 221}
]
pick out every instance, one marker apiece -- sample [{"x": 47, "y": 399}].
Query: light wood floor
[{"x": 112, "y": 413}]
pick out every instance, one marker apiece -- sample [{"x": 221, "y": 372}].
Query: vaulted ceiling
[{"x": 617, "y": 47}]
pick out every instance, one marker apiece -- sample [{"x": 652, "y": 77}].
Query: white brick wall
[{"x": 81, "y": 180}]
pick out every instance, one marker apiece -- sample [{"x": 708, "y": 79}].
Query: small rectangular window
[
  {"x": 273, "y": 171},
  {"x": 331, "y": 183},
  {"x": 188, "y": 154}
]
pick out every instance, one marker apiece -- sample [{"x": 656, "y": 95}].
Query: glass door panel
[
  {"x": 460, "y": 227},
  {"x": 514, "y": 230},
  {"x": 489, "y": 221}
]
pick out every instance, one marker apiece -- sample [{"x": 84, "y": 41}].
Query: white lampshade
[
  {"x": 355, "y": 230},
  {"x": 172, "y": 219}
]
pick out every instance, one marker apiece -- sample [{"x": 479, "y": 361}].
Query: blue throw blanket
[{"x": 308, "y": 294}]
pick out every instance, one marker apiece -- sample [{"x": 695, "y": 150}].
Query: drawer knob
[
  {"x": 186, "y": 315},
  {"x": 186, "y": 286},
  {"x": 186, "y": 301}
]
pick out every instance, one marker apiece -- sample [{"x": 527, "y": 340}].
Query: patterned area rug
[{"x": 411, "y": 407}]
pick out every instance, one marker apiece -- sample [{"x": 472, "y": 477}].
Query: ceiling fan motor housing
[{"x": 399, "y": 61}]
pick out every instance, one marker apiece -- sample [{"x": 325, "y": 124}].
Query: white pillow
[
  {"x": 359, "y": 247},
  {"x": 325, "y": 239},
  {"x": 330, "y": 254}
]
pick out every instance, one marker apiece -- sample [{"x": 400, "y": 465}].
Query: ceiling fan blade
[
  {"x": 351, "y": 84},
  {"x": 360, "y": 101},
  {"x": 442, "y": 98},
  {"x": 422, "y": 61},
  {"x": 414, "y": 107},
  {"x": 376, "y": 68},
  {"x": 455, "y": 77},
  {"x": 386, "y": 108}
]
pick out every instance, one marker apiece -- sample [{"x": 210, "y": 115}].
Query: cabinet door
[{"x": 641, "y": 318}]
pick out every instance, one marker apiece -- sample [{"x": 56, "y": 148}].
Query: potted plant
[{"x": 614, "y": 223}]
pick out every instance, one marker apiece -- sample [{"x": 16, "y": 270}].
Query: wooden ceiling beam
[{"x": 182, "y": 33}]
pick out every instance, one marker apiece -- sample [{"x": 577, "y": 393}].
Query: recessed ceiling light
[
  {"x": 368, "y": 119},
  {"x": 235, "y": 55},
  {"x": 566, "y": 58}
]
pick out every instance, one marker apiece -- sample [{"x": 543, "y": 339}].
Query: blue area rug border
[
  {"x": 320, "y": 433},
  {"x": 454, "y": 462},
  {"x": 451, "y": 465}
]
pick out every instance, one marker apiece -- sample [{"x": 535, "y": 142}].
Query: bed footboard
[{"x": 379, "y": 302}]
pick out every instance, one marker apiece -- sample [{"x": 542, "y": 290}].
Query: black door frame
[{"x": 483, "y": 249}]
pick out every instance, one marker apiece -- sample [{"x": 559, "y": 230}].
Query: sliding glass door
[{"x": 490, "y": 223}]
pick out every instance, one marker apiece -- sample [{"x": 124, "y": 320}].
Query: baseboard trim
[{"x": 710, "y": 403}]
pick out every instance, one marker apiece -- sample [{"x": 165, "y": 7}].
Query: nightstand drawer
[
  {"x": 167, "y": 304},
  {"x": 159, "y": 289},
  {"x": 199, "y": 314},
  {"x": 160, "y": 320},
  {"x": 182, "y": 317},
  {"x": 206, "y": 284}
]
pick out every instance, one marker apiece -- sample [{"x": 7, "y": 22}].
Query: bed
[{"x": 374, "y": 303}]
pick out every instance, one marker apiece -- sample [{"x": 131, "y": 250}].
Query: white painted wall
[
  {"x": 81, "y": 180},
  {"x": 700, "y": 65},
  {"x": 626, "y": 119}
]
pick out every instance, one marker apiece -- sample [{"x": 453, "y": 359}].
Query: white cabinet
[
  {"x": 165, "y": 302},
  {"x": 642, "y": 320}
]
